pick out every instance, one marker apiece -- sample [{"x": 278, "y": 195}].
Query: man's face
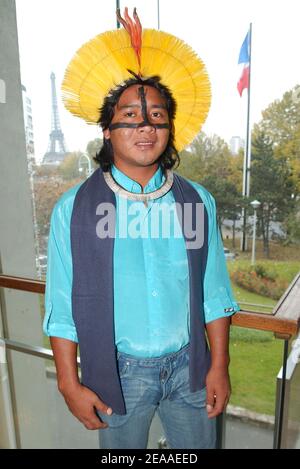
[{"x": 143, "y": 145}]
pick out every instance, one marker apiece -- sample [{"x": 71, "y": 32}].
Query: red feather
[{"x": 134, "y": 29}]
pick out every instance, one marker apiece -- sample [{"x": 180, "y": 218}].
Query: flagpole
[
  {"x": 247, "y": 154},
  {"x": 118, "y": 7}
]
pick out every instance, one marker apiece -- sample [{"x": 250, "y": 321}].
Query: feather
[
  {"x": 102, "y": 63},
  {"x": 134, "y": 30}
]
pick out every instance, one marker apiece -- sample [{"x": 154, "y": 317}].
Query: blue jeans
[{"x": 160, "y": 384}]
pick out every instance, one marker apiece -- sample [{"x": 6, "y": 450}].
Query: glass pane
[
  {"x": 23, "y": 314},
  {"x": 291, "y": 421},
  {"x": 42, "y": 417},
  {"x": 255, "y": 359}
]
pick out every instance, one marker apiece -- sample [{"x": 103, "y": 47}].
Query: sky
[{"x": 50, "y": 32}]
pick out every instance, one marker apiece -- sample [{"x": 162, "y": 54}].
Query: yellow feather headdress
[{"x": 104, "y": 63}]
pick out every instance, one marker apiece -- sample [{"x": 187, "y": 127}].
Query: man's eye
[
  {"x": 156, "y": 114},
  {"x": 129, "y": 114}
]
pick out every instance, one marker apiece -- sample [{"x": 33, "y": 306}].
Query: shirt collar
[{"x": 130, "y": 185}]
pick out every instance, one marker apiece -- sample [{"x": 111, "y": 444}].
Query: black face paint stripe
[
  {"x": 125, "y": 125},
  {"x": 142, "y": 95},
  {"x": 146, "y": 122}
]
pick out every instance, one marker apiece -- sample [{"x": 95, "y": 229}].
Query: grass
[
  {"x": 286, "y": 270},
  {"x": 278, "y": 252},
  {"x": 243, "y": 296},
  {"x": 255, "y": 362}
]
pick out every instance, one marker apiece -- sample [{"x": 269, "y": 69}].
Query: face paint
[
  {"x": 145, "y": 122},
  {"x": 141, "y": 92}
]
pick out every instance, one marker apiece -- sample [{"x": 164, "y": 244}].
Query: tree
[
  {"x": 281, "y": 123},
  {"x": 290, "y": 150},
  {"x": 45, "y": 171},
  {"x": 46, "y": 193},
  {"x": 291, "y": 226},
  {"x": 191, "y": 165},
  {"x": 281, "y": 119},
  {"x": 209, "y": 147},
  {"x": 93, "y": 147},
  {"x": 228, "y": 199},
  {"x": 210, "y": 163},
  {"x": 271, "y": 184},
  {"x": 69, "y": 169}
]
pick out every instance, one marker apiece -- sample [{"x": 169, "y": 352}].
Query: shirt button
[{"x": 154, "y": 293}]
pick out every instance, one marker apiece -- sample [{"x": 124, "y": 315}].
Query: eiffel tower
[{"x": 57, "y": 147}]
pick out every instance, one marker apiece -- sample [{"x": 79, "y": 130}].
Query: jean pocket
[
  {"x": 123, "y": 366},
  {"x": 195, "y": 399}
]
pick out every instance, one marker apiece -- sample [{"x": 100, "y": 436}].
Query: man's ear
[{"x": 106, "y": 134}]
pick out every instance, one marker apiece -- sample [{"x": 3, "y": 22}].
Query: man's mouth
[{"x": 145, "y": 143}]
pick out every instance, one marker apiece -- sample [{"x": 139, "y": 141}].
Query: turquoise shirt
[{"x": 151, "y": 277}]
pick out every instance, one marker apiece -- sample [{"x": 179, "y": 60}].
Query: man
[{"x": 136, "y": 269}]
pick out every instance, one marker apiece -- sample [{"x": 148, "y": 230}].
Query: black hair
[{"x": 170, "y": 156}]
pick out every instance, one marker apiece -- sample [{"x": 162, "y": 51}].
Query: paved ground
[{"x": 241, "y": 435}]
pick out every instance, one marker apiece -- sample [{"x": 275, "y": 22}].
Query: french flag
[{"x": 244, "y": 60}]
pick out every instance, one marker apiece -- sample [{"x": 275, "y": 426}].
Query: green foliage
[
  {"x": 92, "y": 148},
  {"x": 51, "y": 182},
  {"x": 47, "y": 192},
  {"x": 208, "y": 148},
  {"x": 281, "y": 125},
  {"x": 69, "y": 168},
  {"x": 75, "y": 165},
  {"x": 272, "y": 185},
  {"x": 261, "y": 271},
  {"x": 291, "y": 226},
  {"x": 267, "y": 279},
  {"x": 281, "y": 119},
  {"x": 282, "y": 270},
  {"x": 264, "y": 286},
  {"x": 228, "y": 200},
  {"x": 210, "y": 163}
]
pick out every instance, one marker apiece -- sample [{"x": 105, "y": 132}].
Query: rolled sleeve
[
  {"x": 218, "y": 298},
  {"x": 58, "y": 321},
  {"x": 52, "y": 328}
]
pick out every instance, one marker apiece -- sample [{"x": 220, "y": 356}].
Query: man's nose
[{"x": 147, "y": 127}]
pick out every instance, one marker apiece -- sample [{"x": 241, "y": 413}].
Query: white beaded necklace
[{"x": 142, "y": 197}]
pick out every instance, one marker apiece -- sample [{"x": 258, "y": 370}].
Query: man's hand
[
  {"x": 218, "y": 390},
  {"x": 82, "y": 402}
]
